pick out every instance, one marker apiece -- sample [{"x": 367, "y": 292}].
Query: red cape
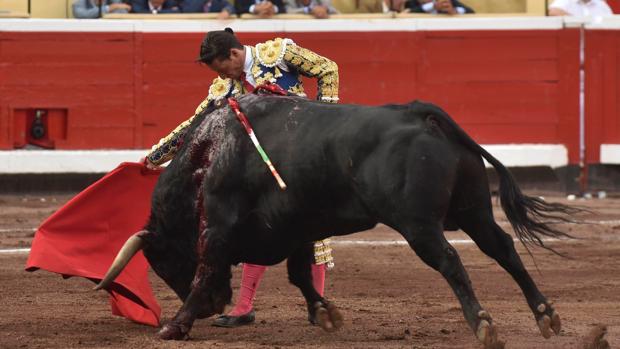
[{"x": 83, "y": 237}]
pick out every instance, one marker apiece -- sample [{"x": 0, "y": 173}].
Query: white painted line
[
  {"x": 364, "y": 242},
  {"x": 15, "y": 250},
  {"x": 403, "y": 242},
  {"x": 587, "y": 221},
  {"x": 15, "y": 230},
  {"x": 334, "y": 242},
  {"x": 389, "y": 242},
  {"x": 603, "y": 222}
]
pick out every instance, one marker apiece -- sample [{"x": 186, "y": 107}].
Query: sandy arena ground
[{"x": 389, "y": 297}]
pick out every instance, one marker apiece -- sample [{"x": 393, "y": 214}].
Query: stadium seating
[
  {"x": 13, "y": 8},
  {"x": 530, "y": 7},
  {"x": 38, "y": 8},
  {"x": 62, "y": 8}
]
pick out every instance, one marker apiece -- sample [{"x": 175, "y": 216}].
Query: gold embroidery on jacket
[
  {"x": 297, "y": 89},
  {"x": 167, "y": 147},
  {"x": 268, "y": 54},
  {"x": 313, "y": 65},
  {"x": 271, "y": 52},
  {"x": 323, "y": 253},
  {"x": 219, "y": 88}
]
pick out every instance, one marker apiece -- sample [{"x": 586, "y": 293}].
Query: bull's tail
[{"x": 530, "y": 217}]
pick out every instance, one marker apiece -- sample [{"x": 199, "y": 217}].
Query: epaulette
[
  {"x": 219, "y": 88},
  {"x": 271, "y": 52}
]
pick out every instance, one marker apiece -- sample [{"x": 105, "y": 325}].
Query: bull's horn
[{"x": 129, "y": 249}]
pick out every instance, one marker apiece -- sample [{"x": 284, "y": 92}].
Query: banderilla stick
[{"x": 234, "y": 105}]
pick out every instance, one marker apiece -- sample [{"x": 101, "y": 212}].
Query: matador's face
[{"x": 231, "y": 67}]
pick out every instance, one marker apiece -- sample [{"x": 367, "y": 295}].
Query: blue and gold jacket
[{"x": 279, "y": 61}]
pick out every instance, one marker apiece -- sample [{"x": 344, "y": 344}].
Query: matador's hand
[{"x": 148, "y": 164}]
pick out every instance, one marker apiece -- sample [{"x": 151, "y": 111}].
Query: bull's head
[
  {"x": 172, "y": 260},
  {"x": 170, "y": 236}
]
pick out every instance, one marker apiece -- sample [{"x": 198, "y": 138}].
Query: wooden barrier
[{"x": 602, "y": 88}]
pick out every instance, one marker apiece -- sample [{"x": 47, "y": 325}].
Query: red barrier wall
[
  {"x": 602, "y": 56},
  {"x": 91, "y": 75},
  {"x": 126, "y": 90}
]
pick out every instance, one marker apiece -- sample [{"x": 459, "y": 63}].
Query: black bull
[{"x": 347, "y": 167}]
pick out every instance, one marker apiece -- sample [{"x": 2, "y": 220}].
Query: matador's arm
[
  {"x": 313, "y": 65},
  {"x": 167, "y": 147}
]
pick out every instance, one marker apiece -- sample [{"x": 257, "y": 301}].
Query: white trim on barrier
[
  {"x": 610, "y": 154},
  {"x": 612, "y": 22},
  {"x": 101, "y": 161},
  {"x": 597, "y": 22},
  {"x": 574, "y": 22},
  {"x": 526, "y": 155},
  {"x": 281, "y": 25},
  {"x": 65, "y": 161},
  {"x": 491, "y": 23}
]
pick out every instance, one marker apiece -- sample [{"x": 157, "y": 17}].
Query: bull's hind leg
[
  {"x": 320, "y": 311},
  {"x": 210, "y": 288},
  {"x": 427, "y": 240},
  {"x": 493, "y": 241}
]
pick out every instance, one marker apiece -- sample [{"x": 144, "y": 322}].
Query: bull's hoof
[
  {"x": 487, "y": 333},
  {"x": 171, "y": 331},
  {"x": 328, "y": 316},
  {"x": 549, "y": 322}
]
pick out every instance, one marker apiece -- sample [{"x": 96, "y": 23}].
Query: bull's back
[
  {"x": 298, "y": 124},
  {"x": 334, "y": 158}
]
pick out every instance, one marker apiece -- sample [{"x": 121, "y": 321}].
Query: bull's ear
[
  {"x": 433, "y": 124},
  {"x": 432, "y": 121}
]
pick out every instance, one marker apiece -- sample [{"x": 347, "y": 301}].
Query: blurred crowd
[
  {"x": 265, "y": 8},
  {"x": 315, "y": 8}
]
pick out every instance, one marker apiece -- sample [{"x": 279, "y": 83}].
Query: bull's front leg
[
  {"x": 210, "y": 289},
  {"x": 320, "y": 310}
]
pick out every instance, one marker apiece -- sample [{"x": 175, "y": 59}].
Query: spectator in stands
[
  {"x": 394, "y": 6},
  {"x": 223, "y": 7},
  {"x": 154, "y": 6},
  {"x": 580, "y": 8},
  {"x": 90, "y": 8},
  {"x": 261, "y": 8},
  {"x": 359, "y": 6},
  {"x": 316, "y": 8},
  {"x": 446, "y": 7}
]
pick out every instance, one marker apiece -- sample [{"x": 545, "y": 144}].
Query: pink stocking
[
  {"x": 250, "y": 278},
  {"x": 318, "y": 277}
]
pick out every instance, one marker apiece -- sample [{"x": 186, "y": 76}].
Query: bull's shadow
[{"x": 347, "y": 167}]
